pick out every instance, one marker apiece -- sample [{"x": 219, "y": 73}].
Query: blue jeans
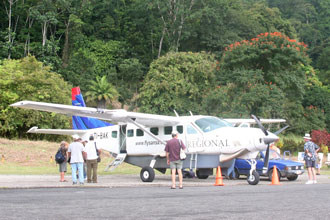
[
  {"x": 80, "y": 167},
  {"x": 231, "y": 170}
]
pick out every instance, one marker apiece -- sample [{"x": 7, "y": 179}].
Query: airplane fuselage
[{"x": 212, "y": 138}]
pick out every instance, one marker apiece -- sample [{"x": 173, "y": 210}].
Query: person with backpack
[{"x": 61, "y": 158}]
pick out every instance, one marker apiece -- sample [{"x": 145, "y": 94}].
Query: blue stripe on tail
[{"x": 84, "y": 122}]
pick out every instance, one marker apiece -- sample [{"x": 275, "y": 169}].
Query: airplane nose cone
[{"x": 270, "y": 138}]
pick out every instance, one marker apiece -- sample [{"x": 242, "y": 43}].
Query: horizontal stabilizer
[{"x": 35, "y": 130}]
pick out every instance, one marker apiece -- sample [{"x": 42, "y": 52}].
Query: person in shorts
[
  {"x": 172, "y": 149},
  {"x": 311, "y": 150},
  {"x": 63, "y": 166}
]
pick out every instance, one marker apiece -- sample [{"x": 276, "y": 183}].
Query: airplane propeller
[
  {"x": 260, "y": 125},
  {"x": 266, "y": 141}
]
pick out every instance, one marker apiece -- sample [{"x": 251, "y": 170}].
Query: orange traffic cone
[
  {"x": 275, "y": 180},
  {"x": 218, "y": 178}
]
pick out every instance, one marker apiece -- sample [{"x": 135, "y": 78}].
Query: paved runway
[
  {"x": 46, "y": 181},
  {"x": 289, "y": 201},
  {"x": 127, "y": 197}
]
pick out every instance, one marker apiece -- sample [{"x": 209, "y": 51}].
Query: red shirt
[{"x": 173, "y": 148}]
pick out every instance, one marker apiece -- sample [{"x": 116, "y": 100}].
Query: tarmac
[{"x": 110, "y": 181}]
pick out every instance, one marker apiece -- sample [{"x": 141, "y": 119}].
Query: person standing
[
  {"x": 63, "y": 166},
  {"x": 77, "y": 153},
  {"x": 92, "y": 152},
  {"x": 85, "y": 165},
  {"x": 311, "y": 150},
  {"x": 172, "y": 149},
  {"x": 231, "y": 170}
]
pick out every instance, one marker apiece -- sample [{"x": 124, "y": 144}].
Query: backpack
[{"x": 59, "y": 157}]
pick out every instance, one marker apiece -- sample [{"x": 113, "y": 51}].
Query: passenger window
[
  {"x": 179, "y": 128},
  {"x": 154, "y": 130},
  {"x": 139, "y": 132},
  {"x": 130, "y": 133},
  {"x": 191, "y": 130},
  {"x": 114, "y": 134},
  {"x": 168, "y": 130}
]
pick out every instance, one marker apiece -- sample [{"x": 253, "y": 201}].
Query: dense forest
[{"x": 229, "y": 58}]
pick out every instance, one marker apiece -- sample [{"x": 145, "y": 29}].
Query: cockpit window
[{"x": 208, "y": 124}]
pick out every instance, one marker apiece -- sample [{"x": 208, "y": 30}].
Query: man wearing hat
[
  {"x": 77, "y": 153},
  {"x": 311, "y": 150},
  {"x": 172, "y": 149}
]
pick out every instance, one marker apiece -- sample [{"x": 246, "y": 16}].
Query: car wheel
[
  {"x": 147, "y": 174},
  {"x": 293, "y": 177},
  {"x": 201, "y": 176},
  {"x": 270, "y": 175},
  {"x": 254, "y": 178}
]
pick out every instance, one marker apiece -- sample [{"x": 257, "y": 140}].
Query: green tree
[
  {"x": 278, "y": 70},
  {"x": 29, "y": 79},
  {"x": 177, "y": 81},
  {"x": 102, "y": 92}
]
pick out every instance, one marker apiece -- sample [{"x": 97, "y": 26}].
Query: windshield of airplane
[{"x": 208, "y": 124}]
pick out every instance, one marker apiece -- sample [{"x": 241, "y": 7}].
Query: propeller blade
[
  {"x": 282, "y": 129},
  {"x": 260, "y": 125},
  {"x": 266, "y": 162}
]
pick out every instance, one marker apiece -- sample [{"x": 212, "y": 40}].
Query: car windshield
[
  {"x": 273, "y": 155},
  {"x": 208, "y": 124}
]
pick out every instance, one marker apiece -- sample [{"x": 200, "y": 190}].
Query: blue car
[{"x": 285, "y": 168}]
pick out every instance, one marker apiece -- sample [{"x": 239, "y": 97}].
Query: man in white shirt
[
  {"x": 92, "y": 152},
  {"x": 77, "y": 154}
]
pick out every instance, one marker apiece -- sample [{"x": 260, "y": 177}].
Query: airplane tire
[
  {"x": 201, "y": 176},
  {"x": 147, "y": 174},
  {"x": 254, "y": 178}
]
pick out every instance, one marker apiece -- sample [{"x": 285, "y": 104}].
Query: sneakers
[
  {"x": 311, "y": 182},
  {"x": 81, "y": 184},
  {"x": 74, "y": 183}
]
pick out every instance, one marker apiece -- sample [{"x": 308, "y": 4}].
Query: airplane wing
[
  {"x": 252, "y": 121},
  {"x": 116, "y": 116},
  {"x": 35, "y": 130}
]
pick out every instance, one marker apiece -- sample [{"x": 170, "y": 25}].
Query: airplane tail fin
[{"x": 84, "y": 122}]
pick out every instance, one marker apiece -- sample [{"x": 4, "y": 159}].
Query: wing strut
[{"x": 146, "y": 130}]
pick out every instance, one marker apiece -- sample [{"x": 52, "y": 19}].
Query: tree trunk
[
  {"x": 65, "y": 53},
  {"x": 44, "y": 33}
]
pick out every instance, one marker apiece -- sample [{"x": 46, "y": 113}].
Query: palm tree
[{"x": 101, "y": 91}]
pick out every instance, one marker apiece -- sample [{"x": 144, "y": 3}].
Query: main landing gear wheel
[
  {"x": 147, "y": 174},
  {"x": 254, "y": 178},
  {"x": 201, "y": 176}
]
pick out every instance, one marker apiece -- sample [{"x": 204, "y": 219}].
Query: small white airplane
[{"x": 139, "y": 139}]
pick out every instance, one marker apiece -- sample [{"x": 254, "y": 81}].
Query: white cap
[
  {"x": 307, "y": 136},
  {"x": 75, "y": 137},
  {"x": 175, "y": 132}
]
